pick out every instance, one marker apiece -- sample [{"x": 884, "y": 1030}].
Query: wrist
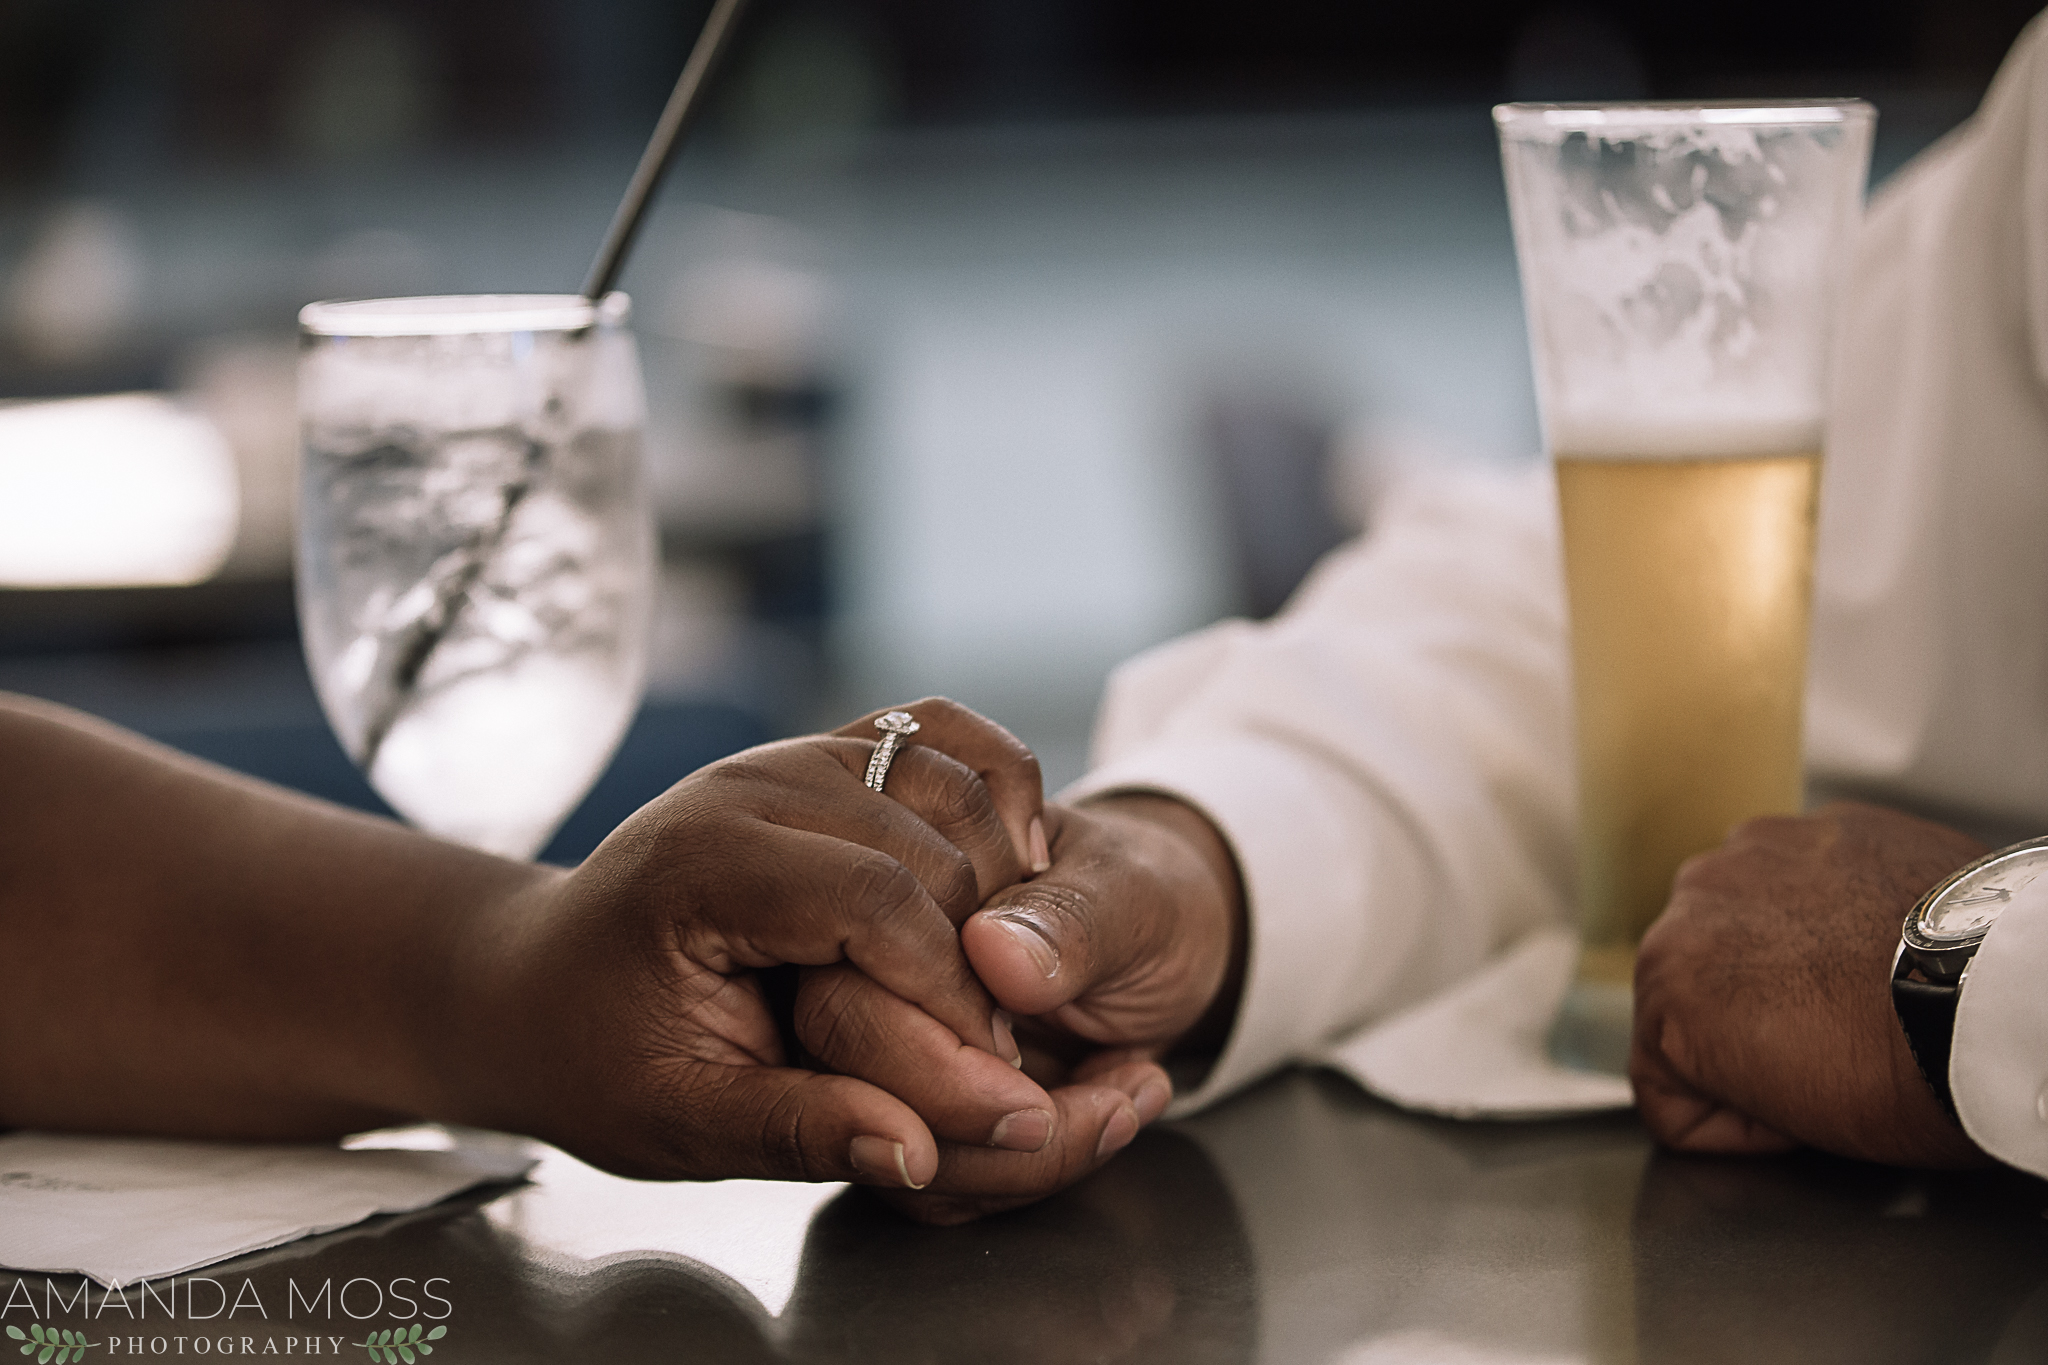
[
  {"x": 1931, "y": 968},
  {"x": 473, "y": 1006}
]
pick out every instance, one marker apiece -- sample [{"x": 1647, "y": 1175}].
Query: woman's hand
[
  {"x": 199, "y": 954},
  {"x": 619, "y": 1010}
]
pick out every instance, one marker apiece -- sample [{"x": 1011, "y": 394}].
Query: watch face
[{"x": 1969, "y": 906}]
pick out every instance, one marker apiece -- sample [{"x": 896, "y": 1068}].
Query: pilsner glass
[
  {"x": 475, "y": 560},
  {"x": 1680, "y": 265}
]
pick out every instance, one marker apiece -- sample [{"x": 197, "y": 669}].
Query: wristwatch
[{"x": 1940, "y": 937}]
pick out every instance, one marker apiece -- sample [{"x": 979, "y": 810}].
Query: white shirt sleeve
[
  {"x": 1389, "y": 759},
  {"x": 1930, "y": 643}
]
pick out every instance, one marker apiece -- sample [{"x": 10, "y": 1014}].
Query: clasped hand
[
  {"x": 772, "y": 971},
  {"x": 1763, "y": 1006}
]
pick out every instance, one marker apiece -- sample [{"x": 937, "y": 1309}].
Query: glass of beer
[{"x": 1680, "y": 266}]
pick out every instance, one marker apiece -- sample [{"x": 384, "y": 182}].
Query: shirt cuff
[
  {"x": 1304, "y": 868},
  {"x": 1998, "y": 1063}
]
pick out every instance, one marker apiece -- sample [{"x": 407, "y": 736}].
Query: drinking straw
[
  {"x": 685, "y": 103},
  {"x": 395, "y": 677},
  {"x": 402, "y": 659}
]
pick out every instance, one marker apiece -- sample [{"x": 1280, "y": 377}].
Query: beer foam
[
  {"x": 1725, "y": 128},
  {"x": 1593, "y": 437},
  {"x": 1679, "y": 269}
]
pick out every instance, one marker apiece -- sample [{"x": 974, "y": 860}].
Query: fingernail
[
  {"x": 1027, "y": 1130},
  {"x": 1006, "y": 1041},
  {"x": 1152, "y": 1098},
  {"x": 1034, "y": 941},
  {"x": 882, "y": 1159},
  {"x": 1041, "y": 856},
  {"x": 1123, "y": 1126}
]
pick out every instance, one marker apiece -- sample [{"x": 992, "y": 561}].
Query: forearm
[{"x": 188, "y": 951}]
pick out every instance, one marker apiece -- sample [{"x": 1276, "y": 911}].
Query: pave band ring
[{"x": 896, "y": 726}]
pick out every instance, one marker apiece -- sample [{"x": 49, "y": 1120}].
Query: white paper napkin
[
  {"x": 126, "y": 1209},
  {"x": 1477, "y": 1051}
]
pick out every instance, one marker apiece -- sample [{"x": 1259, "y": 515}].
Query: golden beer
[
  {"x": 1690, "y": 584},
  {"x": 1681, "y": 268}
]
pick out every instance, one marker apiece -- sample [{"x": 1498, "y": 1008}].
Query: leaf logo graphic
[
  {"x": 59, "y": 1344},
  {"x": 394, "y": 1344}
]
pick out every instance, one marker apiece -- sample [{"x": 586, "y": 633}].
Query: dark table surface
[{"x": 1300, "y": 1222}]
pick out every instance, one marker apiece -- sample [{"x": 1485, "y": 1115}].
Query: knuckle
[
  {"x": 944, "y": 712},
  {"x": 686, "y": 1138},
  {"x": 941, "y": 1210},
  {"x": 1652, "y": 968},
  {"x": 848, "y": 752},
  {"x": 953, "y": 794},
  {"x": 748, "y": 785},
  {"x": 942, "y": 721},
  {"x": 1056, "y": 906},
  {"x": 1695, "y": 871},
  {"x": 877, "y": 887},
  {"x": 1653, "y": 948},
  {"x": 1667, "y": 945},
  {"x": 1720, "y": 871},
  {"x": 781, "y": 1128},
  {"x": 832, "y": 1018},
  {"x": 1665, "y": 1048},
  {"x": 1660, "y": 1116},
  {"x": 1775, "y": 831},
  {"x": 761, "y": 767},
  {"x": 962, "y": 885}
]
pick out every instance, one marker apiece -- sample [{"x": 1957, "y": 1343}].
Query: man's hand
[
  {"x": 1130, "y": 946},
  {"x": 1763, "y": 1014},
  {"x": 1124, "y": 948}
]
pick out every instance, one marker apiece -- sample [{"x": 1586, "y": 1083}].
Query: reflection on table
[{"x": 1302, "y": 1222}]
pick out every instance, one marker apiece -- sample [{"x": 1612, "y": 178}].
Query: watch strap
[{"x": 1927, "y": 1012}]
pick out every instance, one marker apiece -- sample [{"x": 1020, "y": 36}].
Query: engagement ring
[{"x": 895, "y": 727}]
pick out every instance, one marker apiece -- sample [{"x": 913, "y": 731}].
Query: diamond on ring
[{"x": 896, "y": 726}]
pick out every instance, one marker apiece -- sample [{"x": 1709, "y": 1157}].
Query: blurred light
[
  {"x": 127, "y": 490},
  {"x": 752, "y": 305},
  {"x": 73, "y": 297},
  {"x": 374, "y": 263}
]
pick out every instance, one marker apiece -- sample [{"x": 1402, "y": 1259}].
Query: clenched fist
[{"x": 1763, "y": 995}]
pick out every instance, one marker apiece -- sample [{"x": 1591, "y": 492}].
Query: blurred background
[{"x": 987, "y": 341}]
